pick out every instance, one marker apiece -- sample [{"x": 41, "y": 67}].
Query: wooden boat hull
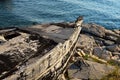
[{"x": 49, "y": 66}]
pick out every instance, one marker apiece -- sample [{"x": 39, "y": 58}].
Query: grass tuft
[{"x": 115, "y": 75}]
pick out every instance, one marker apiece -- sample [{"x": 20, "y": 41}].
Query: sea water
[{"x": 26, "y": 12}]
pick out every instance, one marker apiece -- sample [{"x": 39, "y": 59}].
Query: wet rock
[
  {"x": 92, "y": 70},
  {"x": 94, "y": 29}
]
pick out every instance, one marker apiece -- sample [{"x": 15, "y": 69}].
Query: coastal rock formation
[
  {"x": 94, "y": 29},
  {"x": 95, "y": 48},
  {"x": 86, "y": 43},
  {"x": 103, "y": 45},
  {"x": 113, "y": 48},
  {"x": 102, "y": 53},
  {"x": 88, "y": 70},
  {"x": 99, "y": 41}
]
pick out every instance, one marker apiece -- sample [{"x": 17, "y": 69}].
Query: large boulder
[
  {"x": 112, "y": 38},
  {"x": 86, "y": 43},
  {"x": 88, "y": 70},
  {"x": 108, "y": 42},
  {"x": 102, "y": 53},
  {"x": 97, "y": 51},
  {"x": 116, "y": 31},
  {"x": 113, "y": 35},
  {"x": 113, "y": 48},
  {"x": 106, "y": 55},
  {"x": 94, "y": 29}
]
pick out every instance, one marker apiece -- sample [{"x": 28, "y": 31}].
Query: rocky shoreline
[
  {"x": 97, "y": 54},
  {"x": 98, "y": 41}
]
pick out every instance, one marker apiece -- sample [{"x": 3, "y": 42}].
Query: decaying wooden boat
[{"x": 39, "y": 52}]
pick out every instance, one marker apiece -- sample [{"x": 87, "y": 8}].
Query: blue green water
[{"x": 25, "y": 12}]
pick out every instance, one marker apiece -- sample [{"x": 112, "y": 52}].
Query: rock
[
  {"x": 111, "y": 35},
  {"x": 118, "y": 41},
  {"x": 93, "y": 70},
  {"x": 86, "y": 43},
  {"x": 116, "y": 53},
  {"x": 102, "y": 53},
  {"x": 97, "y": 51},
  {"x": 112, "y": 38},
  {"x": 106, "y": 55},
  {"x": 113, "y": 48},
  {"x": 99, "y": 42},
  {"x": 116, "y": 57},
  {"x": 3, "y": 66},
  {"x": 94, "y": 29},
  {"x": 103, "y": 42},
  {"x": 75, "y": 79},
  {"x": 108, "y": 42},
  {"x": 116, "y": 31}
]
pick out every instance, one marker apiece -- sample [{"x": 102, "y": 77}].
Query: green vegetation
[
  {"x": 113, "y": 62},
  {"x": 115, "y": 75},
  {"x": 96, "y": 60},
  {"x": 86, "y": 57}
]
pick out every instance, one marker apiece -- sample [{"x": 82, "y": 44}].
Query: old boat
[{"x": 40, "y": 52}]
